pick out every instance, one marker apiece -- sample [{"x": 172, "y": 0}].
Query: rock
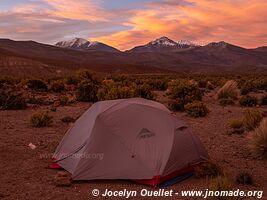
[
  {"x": 67, "y": 119},
  {"x": 63, "y": 179},
  {"x": 32, "y": 146}
]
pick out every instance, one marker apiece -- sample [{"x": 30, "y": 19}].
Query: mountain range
[{"x": 163, "y": 55}]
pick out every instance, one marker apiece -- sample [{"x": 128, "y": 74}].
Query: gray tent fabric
[{"x": 128, "y": 139}]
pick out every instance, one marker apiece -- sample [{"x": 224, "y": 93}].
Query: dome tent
[{"x": 138, "y": 139}]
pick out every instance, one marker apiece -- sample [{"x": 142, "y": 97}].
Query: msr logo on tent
[{"x": 145, "y": 133}]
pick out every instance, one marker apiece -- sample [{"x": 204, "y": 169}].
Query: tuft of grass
[
  {"x": 258, "y": 143},
  {"x": 244, "y": 178},
  {"x": 41, "y": 119},
  {"x": 219, "y": 183},
  {"x": 252, "y": 119},
  {"x": 196, "y": 109},
  {"x": 248, "y": 101},
  {"x": 208, "y": 169},
  {"x": 36, "y": 84},
  {"x": 236, "y": 124},
  {"x": 228, "y": 91}
]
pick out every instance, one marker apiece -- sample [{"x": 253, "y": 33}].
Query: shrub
[
  {"x": 114, "y": 91},
  {"x": 64, "y": 100},
  {"x": 86, "y": 75},
  {"x": 228, "y": 91},
  {"x": 11, "y": 101},
  {"x": 236, "y": 124},
  {"x": 41, "y": 119},
  {"x": 196, "y": 109},
  {"x": 244, "y": 178},
  {"x": 37, "y": 85},
  {"x": 57, "y": 86},
  {"x": 219, "y": 183},
  {"x": 184, "y": 92},
  {"x": 258, "y": 143},
  {"x": 158, "y": 84},
  {"x": 226, "y": 102},
  {"x": 176, "y": 105},
  {"x": 71, "y": 80},
  {"x": 248, "y": 101},
  {"x": 87, "y": 91},
  {"x": 252, "y": 118},
  {"x": 207, "y": 169},
  {"x": 264, "y": 100},
  {"x": 144, "y": 91}
]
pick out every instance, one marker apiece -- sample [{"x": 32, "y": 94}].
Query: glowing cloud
[{"x": 241, "y": 22}]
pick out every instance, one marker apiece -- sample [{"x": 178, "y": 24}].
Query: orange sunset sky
[{"x": 127, "y": 23}]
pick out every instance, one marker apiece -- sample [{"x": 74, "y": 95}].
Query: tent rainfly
[{"x": 135, "y": 139}]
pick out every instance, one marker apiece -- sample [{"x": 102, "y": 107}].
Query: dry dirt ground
[{"x": 24, "y": 173}]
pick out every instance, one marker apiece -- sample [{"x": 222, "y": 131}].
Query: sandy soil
[{"x": 24, "y": 173}]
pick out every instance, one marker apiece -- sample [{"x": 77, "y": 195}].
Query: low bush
[
  {"x": 114, "y": 91},
  {"x": 41, "y": 119},
  {"x": 71, "y": 80},
  {"x": 176, "y": 106},
  {"x": 86, "y": 75},
  {"x": 248, "y": 101},
  {"x": 144, "y": 91},
  {"x": 11, "y": 101},
  {"x": 236, "y": 124},
  {"x": 184, "y": 92},
  {"x": 258, "y": 143},
  {"x": 208, "y": 169},
  {"x": 87, "y": 91},
  {"x": 64, "y": 100},
  {"x": 252, "y": 119},
  {"x": 36, "y": 84},
  {"x": 57, "y": 86},
  {"x": 196, "y": 109},
  {"x": 244, "y": 178},
  {"x": 155, "y": 83},
  {"x": 228, "y": 91}
]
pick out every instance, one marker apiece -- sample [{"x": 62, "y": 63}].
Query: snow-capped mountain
[
  {"x": 85, "y": 45},
  {"x": 164, "y": 44},
  {"x": 163, "y": 41}
]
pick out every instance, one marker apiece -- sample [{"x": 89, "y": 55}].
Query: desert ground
[{"x": 25, "y": 173}]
